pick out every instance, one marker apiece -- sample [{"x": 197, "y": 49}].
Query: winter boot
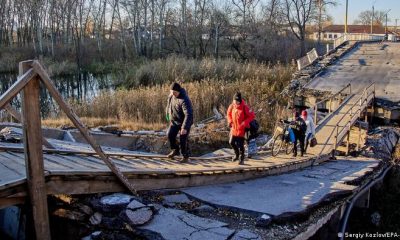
[
  {"x": 241, "y": 159},
  {"x": 236, "y": 157},
  {"x": 173, "y": 153},
  {"x": 185, "y": 159}
]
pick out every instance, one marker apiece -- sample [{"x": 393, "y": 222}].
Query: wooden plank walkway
[{"x": 81, "y": 173}]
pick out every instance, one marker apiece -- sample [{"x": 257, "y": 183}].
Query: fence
[
  {"x": 357, "y": 37},
  {"x": 305, "y": 61}
]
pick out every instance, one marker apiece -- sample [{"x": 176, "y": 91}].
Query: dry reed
[{"x": 144, "y": 106}]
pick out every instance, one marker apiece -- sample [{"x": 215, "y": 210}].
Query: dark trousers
[
  {"x": 172, "y": 133},
  {"x": 237, "y": 143},
  {"x": 299, "y": 137}
]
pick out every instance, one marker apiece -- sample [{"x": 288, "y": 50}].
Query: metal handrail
[
  {"x": 365, "y": 100},
  {"x": 362, "y": 101},
  {"x": 339, "y": 41},
  {"x": 330, "y": 99}
]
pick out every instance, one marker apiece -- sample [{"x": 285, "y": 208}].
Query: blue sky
[{"x": 357, "y": 6}]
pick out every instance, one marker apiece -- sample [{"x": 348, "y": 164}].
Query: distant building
[{"x": 332, "y": 32}]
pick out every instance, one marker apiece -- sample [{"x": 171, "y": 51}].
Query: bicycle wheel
[
  {"x": 289, "y": 148},
  {"x": 277, "y": 145}
]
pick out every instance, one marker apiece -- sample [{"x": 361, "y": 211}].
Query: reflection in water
[{"x": 79, "y": 87}]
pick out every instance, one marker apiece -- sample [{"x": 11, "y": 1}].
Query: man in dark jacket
[
  {"x": 180, "y": 116},
  {"x": 299, "y": 128}
]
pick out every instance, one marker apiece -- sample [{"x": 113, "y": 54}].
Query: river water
[{"x": 79, "y": 87}]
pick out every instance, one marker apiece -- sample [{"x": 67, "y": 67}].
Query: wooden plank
[
  {"x": 60, "y": 162},
  {"x": 7, "y": 173},
  {"x": 100, "y": 162},
  {"x": 7, "y": 202},
  {"x": 15, "y": 166},
  {"x": 83, "y": 162},
  {"x": 22, "y": 80},
  {"x": 18, "y": 117},
  {"x": 16, "y": 186},
  {"x": 32, "y": 130},
  {"x": 113, "y": 154},
  {"x": 109, "y": 184}
]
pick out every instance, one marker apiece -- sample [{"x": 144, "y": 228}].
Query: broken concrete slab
[
  {"x": 96, "y": 218},
  {"x": 115, "y": 202},
  {"x": 171, "y": 200},
  {"x": 274, "y": 196},
  {"x": 166, "y": 222},
  {"x": 203, "y": 208},
  {"x": 139, "y": 216},
  {"x": 134, "y": 204},
  {"x": 245, "y": 235}
]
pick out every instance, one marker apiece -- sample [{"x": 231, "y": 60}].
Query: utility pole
[
  {"x": 372, "y": 19},
  {"x": 373, "y": 16},
  {"x": 345, "y": 22},
  {"x": 386, "y": 21}
]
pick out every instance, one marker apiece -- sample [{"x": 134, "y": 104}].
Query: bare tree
[
  {"x": 321, "y": 5},
  {"x": 298, "y": 14},
  {"x": 364, "y": 18}
]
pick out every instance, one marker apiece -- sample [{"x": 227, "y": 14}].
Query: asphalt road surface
[{"x": 365, "y": 64}]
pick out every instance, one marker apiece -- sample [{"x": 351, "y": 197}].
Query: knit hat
[
  {"x": 304, "y": 113},
  {"x": 238, "y": 97},
  {"x": 176, "y": 87}
]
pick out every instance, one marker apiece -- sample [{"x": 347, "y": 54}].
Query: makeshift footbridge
[{"x": 39, "y": 167}]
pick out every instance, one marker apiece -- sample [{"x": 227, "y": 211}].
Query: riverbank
[{"x": 132, "y": 95}]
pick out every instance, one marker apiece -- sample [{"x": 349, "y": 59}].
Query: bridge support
[{"x": 33, "y": 154}]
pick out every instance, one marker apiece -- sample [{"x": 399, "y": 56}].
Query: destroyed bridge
[{"x": 346, "y": 89}]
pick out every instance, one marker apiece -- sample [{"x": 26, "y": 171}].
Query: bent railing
[{"x": 308, "y": 59}]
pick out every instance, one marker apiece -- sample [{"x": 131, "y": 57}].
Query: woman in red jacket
[{"x": 239, "y": 118}]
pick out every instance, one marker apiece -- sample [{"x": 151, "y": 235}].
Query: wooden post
[{"x": 33, "y": 154}]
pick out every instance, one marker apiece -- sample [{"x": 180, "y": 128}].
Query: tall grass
[
  {"x": 177, "y": 68},
  {"x": 209, "y": 84}
]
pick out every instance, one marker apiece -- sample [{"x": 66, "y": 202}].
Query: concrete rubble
[
  {"x": 172, "y": 200},
  {"x": 245, "y": 235},
  {"x": 138, "y": 216},
  {"x": 381, "y": 142},
  {"x": 11, "y": 134},
  {"x": 177, "y": 224}
]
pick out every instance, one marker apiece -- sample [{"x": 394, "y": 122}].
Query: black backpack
[
  {"x": 301, "y": 125},
  {"x": 254, "y": 126}
]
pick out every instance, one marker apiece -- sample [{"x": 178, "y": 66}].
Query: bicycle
[{"x": 282, "y": 141}]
